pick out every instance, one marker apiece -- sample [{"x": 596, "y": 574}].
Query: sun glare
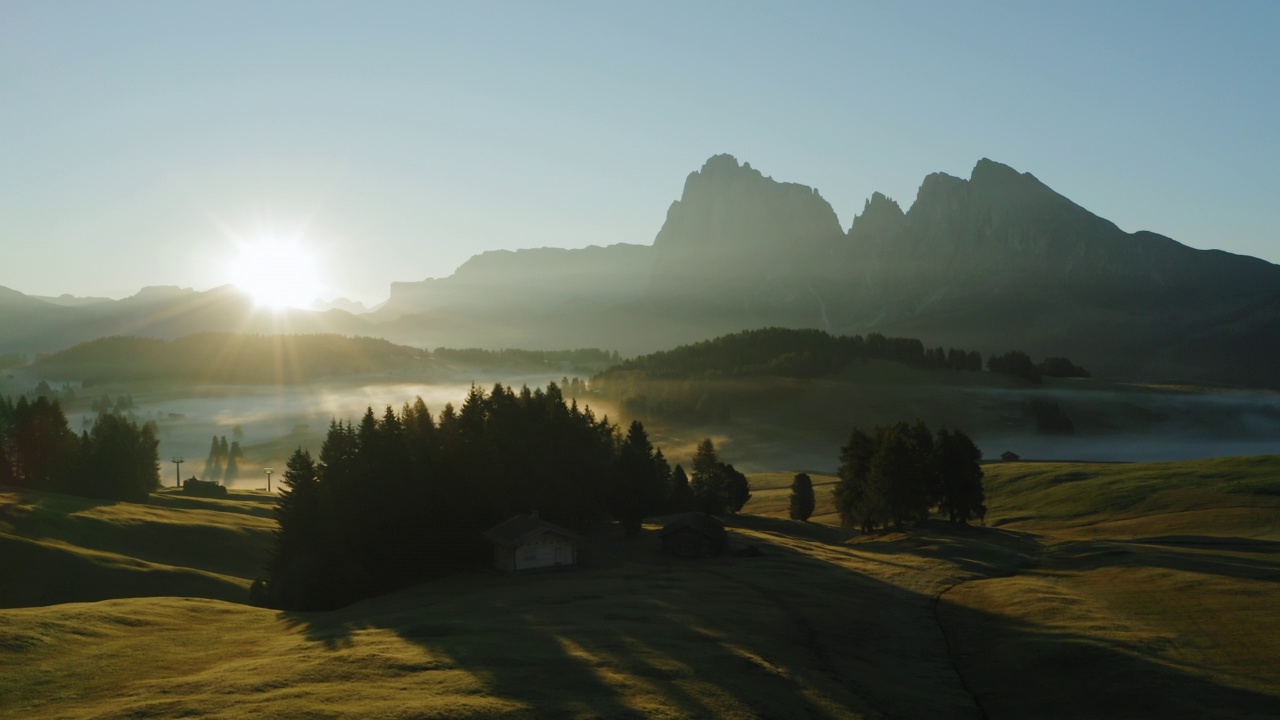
[{"x": 277, "y": 273}]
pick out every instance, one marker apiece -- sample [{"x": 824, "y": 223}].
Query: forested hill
[
  {"x": 790, "y": 353},
  {"x": 227, "y": 358}
]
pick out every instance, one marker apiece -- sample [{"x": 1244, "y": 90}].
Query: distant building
[
  {"x": 203, "y": 488},
  {"x": 694, "y": 534},
  {"x": 1009, "y": 456},
  {"x": 527, "y": 542}
]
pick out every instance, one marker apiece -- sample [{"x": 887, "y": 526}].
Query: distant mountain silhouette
[
  {"x": 538, "y": 277},
  {"x": 355, "y": 307},
  {"x": 30, "y": 325},
  {"x": 995, "y": 262}
]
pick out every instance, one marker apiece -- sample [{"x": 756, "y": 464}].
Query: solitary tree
[{"x": 802, "y": 500}]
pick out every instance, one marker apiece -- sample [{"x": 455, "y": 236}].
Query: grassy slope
[
  {"x": 58, "y": 548},
  {"x": 1154, "y": 585},
  {"x": 1046, "y": 615}
]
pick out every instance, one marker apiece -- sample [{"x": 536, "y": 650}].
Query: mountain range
[{"x": 997, "y": 261}]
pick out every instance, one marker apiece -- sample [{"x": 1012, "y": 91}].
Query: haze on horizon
[{"x": 393, "y": 142}]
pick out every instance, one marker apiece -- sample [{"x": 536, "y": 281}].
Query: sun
[{"x": 277, "y": 273}]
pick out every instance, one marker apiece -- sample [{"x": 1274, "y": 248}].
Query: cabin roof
[
  {"x": 696, "y": 521},
  {"x": 520, "y": 529}
]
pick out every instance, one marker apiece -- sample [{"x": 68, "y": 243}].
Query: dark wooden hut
[
  {"x": 694, "y": 534},
  {"x": 527, "y": 542}
]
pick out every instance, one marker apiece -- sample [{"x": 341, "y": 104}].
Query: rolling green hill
[
  {"x": 1107, "y": 591},
  {"x": 58, "y": 548}
]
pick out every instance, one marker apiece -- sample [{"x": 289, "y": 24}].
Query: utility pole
[
  {"x": 177, "y": 471},
  {"x": 269, "y": 471}
]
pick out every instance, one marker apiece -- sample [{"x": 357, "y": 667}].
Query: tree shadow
[{"x": 787, "y": 634}]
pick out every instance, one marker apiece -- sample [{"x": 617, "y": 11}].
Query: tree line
[
  {"x": 582, "y": 360},
  {"x": 116, "y": 459},
  {"x": 900, "y": 473},
  {"x": 787, "y": 352},
  {"x": 1020, "y": 364},
  {"x": 396, "y": 498}
]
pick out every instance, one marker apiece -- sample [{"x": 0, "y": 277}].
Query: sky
[{"x": 145, "y": 143}]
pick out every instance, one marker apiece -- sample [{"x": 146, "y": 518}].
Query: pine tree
[
  {"x": 802, "y": 498},
  {"x": 639, "y": 479},
  {"x": 213, "y": 465},
  {"x": 234, "y": 456},
  {"x": 679, "y": 494},
  {"x": 295, "y": 568},
  {"x": 855, "y": 501},
  {"x": 708, "y": 481}
]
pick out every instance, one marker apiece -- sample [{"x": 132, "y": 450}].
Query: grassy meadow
[{"x": 1095, "y": 590}]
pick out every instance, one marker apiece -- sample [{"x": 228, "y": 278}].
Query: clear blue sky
[{"x": 137, "y": 139}]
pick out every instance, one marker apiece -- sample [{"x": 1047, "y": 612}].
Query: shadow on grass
[
  {"x": 786, "y": 634},
  {"x": 1227, "y": 559}
]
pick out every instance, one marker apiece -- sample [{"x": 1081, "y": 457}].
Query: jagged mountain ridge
[{"x": 994, "y": 262}]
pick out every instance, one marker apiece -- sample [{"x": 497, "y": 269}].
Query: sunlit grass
[{"x": 825, "y": 623}]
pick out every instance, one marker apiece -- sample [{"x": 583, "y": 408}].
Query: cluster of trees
[
  {"x": 104, "y": 405},
  {"x": 115, "y": 460},
  {"x": 582, "y": 360},
  {"x": 717, "y": 487},
  {"x": 1020, "y": 364},
  {"x": 900, "y": 473},
  {"x": 393, "y": 499},
  {"x": 223, "y": 463},
  {"x": 791, "y": 353}
]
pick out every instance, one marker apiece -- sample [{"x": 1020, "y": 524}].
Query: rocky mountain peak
[
  {"x": 734, "y": 226},
  {"x": 880, "y": 219}
]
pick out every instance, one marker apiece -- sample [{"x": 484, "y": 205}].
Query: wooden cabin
[
  {"x": 1009, "y": 456},
  {"x": 694, "y": 534},
  {"x": 527, "y": 542}
]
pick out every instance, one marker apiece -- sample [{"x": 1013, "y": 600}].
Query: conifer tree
[
  {"x": 802, "y": 501},
  {"x": 639, "y": 479},
  {"x": 213, "y": 465},
  {"x": 708, "y": 480},
  {"x": 679, "y": 494},
  {"x": 234, "y": 456}
]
